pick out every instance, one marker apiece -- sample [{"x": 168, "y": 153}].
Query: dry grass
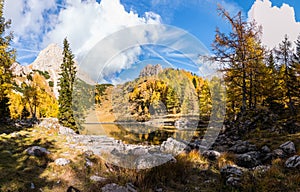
[
  {"x": 226, "y": 158},
  {"x": 277, "y": 178}
]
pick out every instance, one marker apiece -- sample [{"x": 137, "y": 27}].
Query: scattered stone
[
  {"x": 97, "y": 178},
  {"x": 249, "y": 159},
  {"x": 288, "y": 148},
  {"x": 261, "y": 168},
  {"x": 232, "y": 175},
  {"x": 211, "y": 154},
  {"x": 62, "y": 161},
  {"x": 66, "y": 131},
  {"x": 242, "y": 147},
  {"x": 278, "y": 153},
  {"x": 265, "y": 149},
  {"x": 152, "y": 160},
  {"x": 32, "y": 186},
  {"x": 173, "y": 146},
  {"x": 231, "y": 170},
  {"x": 50, "y": 123},
  {"x": 112, "y": 187},
  {"x": 130, "y": 187},
  {"x": 293, "y": 162},
  {"x": 37, "y": 151},
  {"x": 88, "y": 153},
  {"x": 88, "y": 162},
  {"x": 266, "y": 158},
  {"x": 233, "y": 181},
  {"x": 15, "y": 134},
  {"x": 53, "y": 123},
  {"x": 72, "y": 189}
]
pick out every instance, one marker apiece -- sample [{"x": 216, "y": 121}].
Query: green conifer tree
[
  {"x": 295, "y": 67},
  {"x": 66, "y": 82},
  {"x": 284, "y": 56}
]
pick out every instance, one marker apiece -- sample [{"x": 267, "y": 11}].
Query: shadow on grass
[{"x": 19, "y": 171}]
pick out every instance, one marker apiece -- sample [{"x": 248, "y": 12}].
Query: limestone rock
[
  {"x": 37, "y": 151},
  {"x": 293, "y": 162},
  {"x": 62, "y": 161},
  {"x": 288, "y": 148},
  {"x": 152, "y": 160},
  {"x": 248, "y": 160},
  {"x": 173, "y": 146},
  {"x": 232, "y": 171},
  {"x": 278, "y": 153},
  {"x": 65, "y": 130},
  {"x": 112, "y": 187},
  {"x": 97, "y": 178},
  {"x": 242, "y": 147},
  {"x": 265, "y": 149},
  {"x": 211, "y": 154},
  {"x": 232, "y": 175}
]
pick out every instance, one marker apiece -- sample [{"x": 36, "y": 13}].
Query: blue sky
[{"x": 37, "y": 23}]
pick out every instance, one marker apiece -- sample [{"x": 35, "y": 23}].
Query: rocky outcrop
[
  {"x": 151, "y": 70},
  {"x": 127, "y": 155}
]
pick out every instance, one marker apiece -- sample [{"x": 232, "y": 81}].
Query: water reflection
[{"x": 141, "y": 133}]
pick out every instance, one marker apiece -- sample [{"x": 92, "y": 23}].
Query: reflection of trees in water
[{"x": 142, "y": 134}]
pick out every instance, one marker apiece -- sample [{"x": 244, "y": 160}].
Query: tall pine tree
[
  {"x": 7, "y": 57},
  {"x": 66, "y": 82}
]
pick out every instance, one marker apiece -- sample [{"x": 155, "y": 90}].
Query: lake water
[{"x": 141, "y": 133}]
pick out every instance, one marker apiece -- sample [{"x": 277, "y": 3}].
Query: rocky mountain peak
[
  {"x": 49, "y": 58},
  {"x": 151, "y": 70}
]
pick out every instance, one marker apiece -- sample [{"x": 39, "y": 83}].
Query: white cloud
[
  {"x": 38, "y": 23},
  {"x": 276, "y": 22},
  {"x": 28, "y": 21},
  {"x": 86, "y": 23}
]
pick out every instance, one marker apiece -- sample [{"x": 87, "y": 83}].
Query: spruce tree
[
  {"x": 7, "y": 57},
  {"x": 295, "y": 68},
  {"x": 273, "y": 90},
  {"x": 284, "y": 56},
  {"x": 66, "y": 82}
]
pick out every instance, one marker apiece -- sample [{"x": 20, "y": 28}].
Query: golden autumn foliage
[{"x": 33, "y": 98}]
